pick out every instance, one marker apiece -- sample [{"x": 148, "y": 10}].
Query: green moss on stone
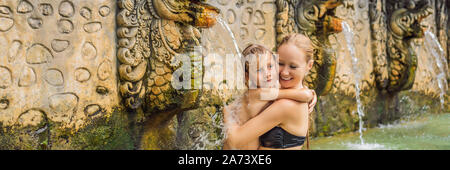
[
  {"x": 103, "y": 133},
  {"x": 24, "y": 138},
  {"x": 107, "y": 133}
]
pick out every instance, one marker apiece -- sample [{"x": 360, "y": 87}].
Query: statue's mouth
[
  {"x": 416, "y": 19},
  {"x": 420, "y": 15},
  {"x": 204, "y": 14},
  {"x": 331, "y": 24},
  {"x": 193, "y": 12}
]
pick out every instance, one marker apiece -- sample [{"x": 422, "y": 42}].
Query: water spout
[
  {"x": 349, "y": 36},
  {"x": 215, "y": 46},
  {"x": 225, "y": 25},
  {"x": 432, "y": 45}
]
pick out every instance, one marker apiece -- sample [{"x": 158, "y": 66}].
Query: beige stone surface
[
  {"x": 252, "y": 21},
  {"x": 57, "y": 59}
]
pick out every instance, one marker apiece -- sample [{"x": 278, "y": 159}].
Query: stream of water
[
  {"x": 349, "y": 36},
  {"x": 426, "y": 132},
  {"x": 216, "y": 41},
  {"x": 225, "y": 25},
  {"x": 434, "y": 48}
]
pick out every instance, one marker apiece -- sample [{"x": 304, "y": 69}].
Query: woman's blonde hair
[{"x": 302, "y": 42}]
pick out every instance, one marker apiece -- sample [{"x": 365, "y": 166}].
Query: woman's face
[
  {"x": 293, "y": 66},
  {"x": 262, "y": 72}
]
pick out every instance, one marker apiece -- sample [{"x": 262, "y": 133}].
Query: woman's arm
[{"x": 275, "y": 114}]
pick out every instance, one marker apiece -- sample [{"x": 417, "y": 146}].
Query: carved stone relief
[
  {"x": 150, "y": 36},
  {"x": 54, "y": 55},
  {"x": 404, "y": 24},
  {"x": 68, "y": 61},
  {"x": 252, "y": 21}
]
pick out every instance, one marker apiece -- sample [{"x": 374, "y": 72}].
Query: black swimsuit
[{"x": 279, "y": 138}]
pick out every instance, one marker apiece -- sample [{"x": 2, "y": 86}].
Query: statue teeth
[{"x": 428, "y": 11}]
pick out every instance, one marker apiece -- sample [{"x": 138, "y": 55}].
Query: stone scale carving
[
  {"x": 403, "y": 25},
  {"x": 151, "y": 34}
]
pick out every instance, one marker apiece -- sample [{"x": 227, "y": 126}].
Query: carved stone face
[
  {"x": 316, "y": 19},
  {"x": 175, "y": 33},
  {"x": 152, "y": 33},
  {"x": 404, "y": 24},
  {"x": 315, "y": 15},
  {"x": 405, "y": 21},
  {"x": 191, "y": 12}
]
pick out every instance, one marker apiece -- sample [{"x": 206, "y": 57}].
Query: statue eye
[
  {"x": 312, "y": 13},
  {"x": 405, "y": 19}
]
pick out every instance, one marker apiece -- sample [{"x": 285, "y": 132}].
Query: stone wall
[
  {"x": 252, "y": 21},
  {"x": 58, "y": 61},
  {"x": 71, "y": 78}
]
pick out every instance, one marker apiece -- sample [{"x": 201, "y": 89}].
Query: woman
[{"x": 284, "y": 123}]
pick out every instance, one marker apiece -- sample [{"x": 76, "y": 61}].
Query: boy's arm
[{"x": 300, "y": 95}]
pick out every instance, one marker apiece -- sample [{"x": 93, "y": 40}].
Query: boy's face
[{"x": 263, "y": 72}]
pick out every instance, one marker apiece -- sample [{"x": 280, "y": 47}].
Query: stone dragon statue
[
  {"x": 315, "y": 19},
  {"x": 404, "y": 19},
  {"x": 151, "y": 33}
]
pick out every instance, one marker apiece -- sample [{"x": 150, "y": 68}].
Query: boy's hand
[{"x": 313, "y": 102}]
